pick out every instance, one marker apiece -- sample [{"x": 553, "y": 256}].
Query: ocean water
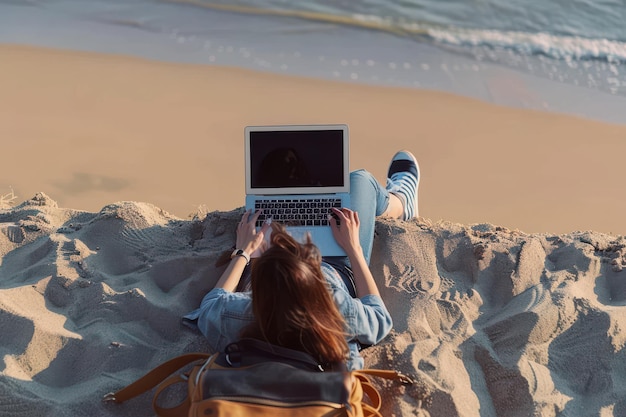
[
  {"x": 559, "y": 55},
  {"x": 562, "y": 29}
]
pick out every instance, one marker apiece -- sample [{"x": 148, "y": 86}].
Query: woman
[
  {"x": 301, "y": 301},
  {"x": 291, "y": 302}
]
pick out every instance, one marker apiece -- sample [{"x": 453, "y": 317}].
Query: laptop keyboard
[{"x": 297, "y": 212}]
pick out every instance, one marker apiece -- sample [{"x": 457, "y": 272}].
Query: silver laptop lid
[{"x": 297, "y": 159}]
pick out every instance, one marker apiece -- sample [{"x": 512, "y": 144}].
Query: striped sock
[{"x": 403, "y": 181}]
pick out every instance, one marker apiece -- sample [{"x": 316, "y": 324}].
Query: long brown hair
[{"x": 292, "y": 302}]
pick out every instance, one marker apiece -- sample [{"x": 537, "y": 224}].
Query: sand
[
  {"x": 500, "y": 306},
  {"x": 489, "y": 321},
  {"x": 91, "y": 129}
]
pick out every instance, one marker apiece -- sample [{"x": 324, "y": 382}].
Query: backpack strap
[
  {"x": 386, "y": 374},
  {"x": 182, "y": 409},
  {"x": 155, "y": 377},
  {"x": 370, "y": 390}
]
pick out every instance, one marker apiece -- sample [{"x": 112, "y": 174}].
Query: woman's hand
[
  {"x": 346, "y": 233},
  {"x": 248, "y": 239}
]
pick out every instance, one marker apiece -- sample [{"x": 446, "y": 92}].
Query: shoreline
[
  {"x": 90, "y": 129},
  {"x": 282, "y": 45}
]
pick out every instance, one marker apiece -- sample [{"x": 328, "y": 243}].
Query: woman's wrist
[
  {"x": 354, "y": 252},
  {"x": 240, "y": 254},
  {"x": 238, "y": 259}
]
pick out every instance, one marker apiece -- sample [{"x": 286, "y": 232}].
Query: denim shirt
[{"x": 223, "y": 315}]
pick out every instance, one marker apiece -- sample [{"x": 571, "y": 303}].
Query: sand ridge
[{"x": 489, "y": 321}]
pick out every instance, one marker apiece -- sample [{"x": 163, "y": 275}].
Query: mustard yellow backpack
[{"x": 253, "y": 378}]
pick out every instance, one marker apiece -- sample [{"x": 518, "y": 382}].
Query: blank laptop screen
[{"x": 299, "y": 158}]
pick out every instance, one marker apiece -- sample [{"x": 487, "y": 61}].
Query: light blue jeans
[{"x": 369, "y": 199}]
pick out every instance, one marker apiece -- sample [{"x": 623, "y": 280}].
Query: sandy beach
[
  {"x": 92, "y": 129},
  {"x": 129, "y": 177},
  {"x": 488, "y": 321}
]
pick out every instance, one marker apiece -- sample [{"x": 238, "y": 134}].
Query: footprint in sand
[
  {"x": 410, "y": 281},
  {"x": 13, "y": 232}
]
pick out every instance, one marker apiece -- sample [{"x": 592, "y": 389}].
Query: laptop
[{"x": 295, "y": 174}]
